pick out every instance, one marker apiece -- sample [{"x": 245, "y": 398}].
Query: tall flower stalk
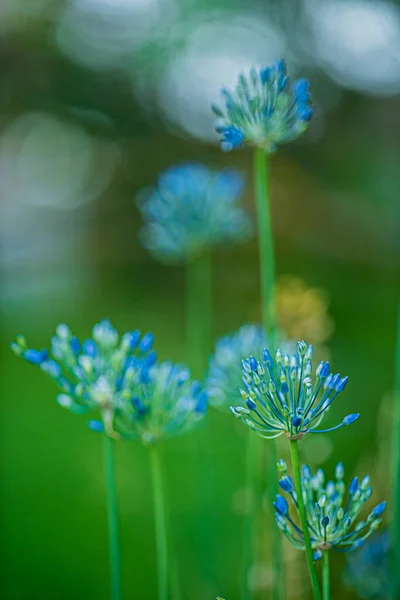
[
  {"x": 268, "y": 311},
  {"x": 160, "y": 521},
  {"x": 112, "y": 519},
  {"x": 326, "y": 576},
  {"x": 198, "y": 310},
  {"x": 294, "y": 455}
]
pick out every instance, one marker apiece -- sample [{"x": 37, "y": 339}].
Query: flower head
[
  {"x": 192, "y": 209},
  {"x": 332, "y": 511},
  {"x": 165, "y": 403},
  {"x": 264, "y": 110},
  {"x": 281, "y": 397},
  {"x": 224, "y": 378},
  {"x": 93, "y": 375}
]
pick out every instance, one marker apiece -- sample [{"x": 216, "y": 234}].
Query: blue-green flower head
[
  {"x": 193, "y": 209},
  {"x": 92, "y": 375},
  {"x": 224, "y": 378},
  {"x": 264, "y": 109},
  {"x": 165, "y": 403},
  {"x": 282, "y": 394},
  {"x": 332, "y": 509}
]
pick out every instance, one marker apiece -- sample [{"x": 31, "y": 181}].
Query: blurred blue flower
[
  {"x": 368, "y": 569},
  {"x": 264, "y": 110},
  {"x": 281, "y": 397},
  {"x": 332, "y": 511},
  {"x": 166, "y": 402},
  {"x": 224, "y": 378},
  {"x": 93, "y": 375},
  {"x": 192, "y": 209}
]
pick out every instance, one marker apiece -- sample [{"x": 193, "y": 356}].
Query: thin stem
[
  {"x": 326, "y": 575},
  {"x": 112, "y": 519},
  {"x": 199, "y": 312},
  {"x": 266, "y": 245},
  {"x": 395, "y": 521},
  {"x": 294, "y": 453},
  {"x": 268, "y": 311},
  {"x": 160, "y": 522}
]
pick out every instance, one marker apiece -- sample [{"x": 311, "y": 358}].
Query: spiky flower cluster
[
  {"x": 224, "y": 377},
  {"x": 281, "y": 397},
  {"x": 121, "y": 379},
  {"x": 92, "y": 374},
  {"x": 192, "y": 209},
  {"x": 264, "y": 110},
  {"x": 165, "y": 403},
  {"x": 332, "y": 511}
]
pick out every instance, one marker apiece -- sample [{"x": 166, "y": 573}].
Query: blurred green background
[{"x": 98, "y": 96}]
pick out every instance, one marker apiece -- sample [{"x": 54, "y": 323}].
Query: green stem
[
  {"x": 294, "y": 453},
  {"x": 266, "y": 245},
  {"x": 268, "y": 311},
  {"x": 325, "y": 575},
  {"x": 112, "y": 519},
  {"x": 160, "y": 522},
  {"x": 199, "y": 312},
  {"x": 395, "y": 521}
]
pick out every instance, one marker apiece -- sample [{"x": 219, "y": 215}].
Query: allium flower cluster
[
  {"x": 332, "y": 511},
  {"x": 264, "y": 110},
  {"x": 121, "y": 379},
  {"x": 281, "y": 396},
  {"x": 165, "y": 403},
  {"x": 224, "y": 378},
  {"x": 192, "y": 209},
  {"x": 93, "y": 375}
]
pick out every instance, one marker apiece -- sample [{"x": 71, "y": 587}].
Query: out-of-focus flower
[
  {"x": 165, "y": 403},
  {"x": 224, "y": 377},
  {"x": 332, "y": 515},
  {"x": 264, "y": 110},
  {"x": 281, "y": 397},
  {"x": 368, "y": 569},
  {"x": 94, "y": 375},
  {"x": 192, "y": 209},
  {"x": 302, "y": 311}
]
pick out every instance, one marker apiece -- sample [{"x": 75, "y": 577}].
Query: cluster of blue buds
[
  {"x": 93, "y": 375},
  {"x": 192, "y": 209},
  {"x": 332, "y": 515},
  {"x": 165, "y": 403},
  {"x": 264, "y": 110},
  {"x": 224, "y": 377},
  {"x": 281, "y": 397}
]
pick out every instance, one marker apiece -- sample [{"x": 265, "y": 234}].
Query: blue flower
[
  {"x": 224, "y": 378},
  {"x": 284, "y": 398},
  {"x": 332, "y": 515},
  {"x": 93, "y": 376},
  {"x": 264, "y": 109},
  {"x": 192, "y": 209},
  {"x": 166, "y": 404}
]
